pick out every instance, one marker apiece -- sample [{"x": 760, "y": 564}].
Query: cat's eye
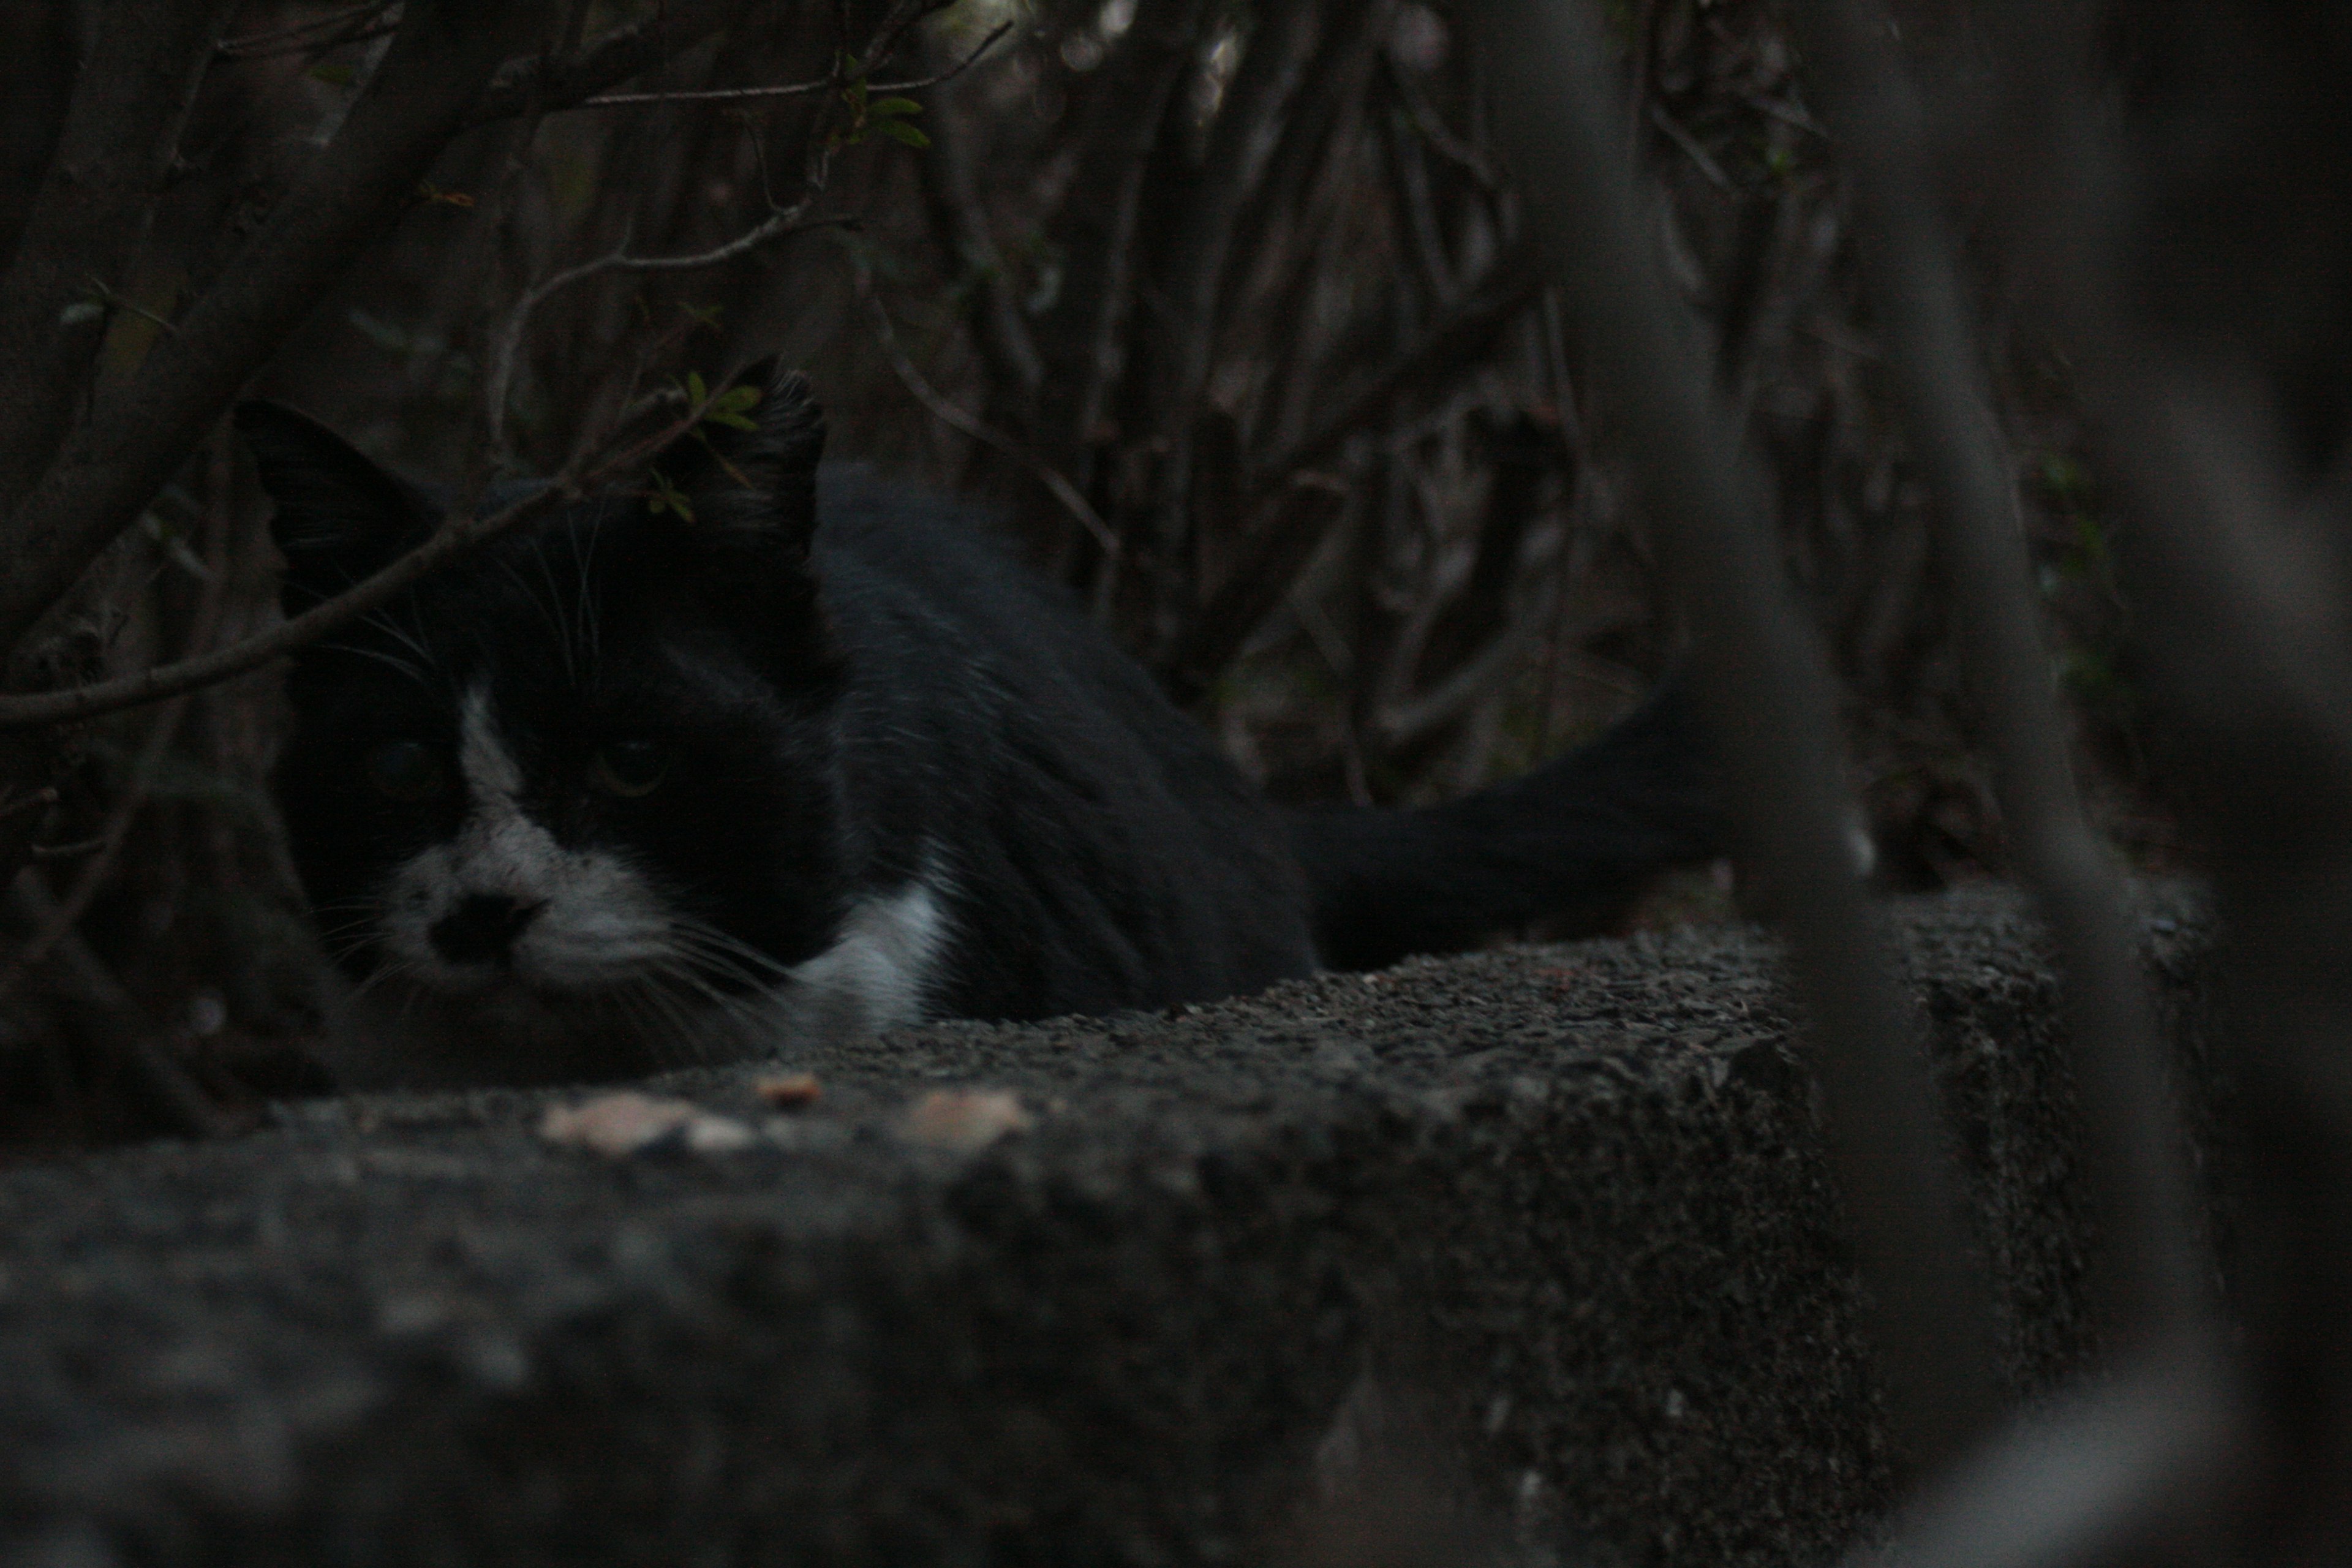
[
  {"x": 407, "y": 770},
  {"x": 629, "y": 768}
]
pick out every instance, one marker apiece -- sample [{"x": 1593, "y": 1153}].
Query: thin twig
[
  {"x": 149, "y": 762},
  {"x": 488, "y": 450},
  {"x": 115, "y": 300},
  {"x": 959, "y": 226},
  {"x": 794, "y": 89},
  {"x": 506, "y": 345},
  {"x": 68, "y": 852},
  {"x": 453, "y": 537},
  {"x": 107, "y": 846},
  {"x": 302, "y": 36},
  {"x": 1449, "y": 348},
  {"x": 47, "y": 796},
  {"x": 130, "y": 440},
  {"x": 1432, "y": 128},
  {"x": 1272, "y": 556},
  {"x": 116, "y": 1024},
  {"x": 613, "y": 56},
  {"x": 1699, "y": 155},
  {"x": 987, "y": 434}
]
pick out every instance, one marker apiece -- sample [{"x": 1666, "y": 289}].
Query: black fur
[{"x": 858, "y": 693}]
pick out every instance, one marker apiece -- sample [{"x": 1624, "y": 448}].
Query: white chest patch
[{"x": 606, "y": 973}]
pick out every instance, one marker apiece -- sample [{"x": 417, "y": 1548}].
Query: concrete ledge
[{"x": 1531, "y": 1249}]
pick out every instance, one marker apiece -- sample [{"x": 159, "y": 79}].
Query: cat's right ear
[
  {"x": 752, "y": 477},
  {"x": 341, "y": 517}
]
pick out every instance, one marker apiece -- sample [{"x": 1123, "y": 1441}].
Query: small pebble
[{"x": 964, "y": 1121}]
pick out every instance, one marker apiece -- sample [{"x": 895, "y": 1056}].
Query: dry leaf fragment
[
  {"x": 963, "y": 1120},
  {"x": 790, "y": 1090},
  {"x": 619, "y": 1125}
]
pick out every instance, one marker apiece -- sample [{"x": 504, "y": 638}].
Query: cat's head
[{"x": 581, "y": 784}]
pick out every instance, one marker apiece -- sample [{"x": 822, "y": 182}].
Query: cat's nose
[{"x": 482, "y": 928}]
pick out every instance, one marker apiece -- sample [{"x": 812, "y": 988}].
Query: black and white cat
[{"x": 624, "y": 789}]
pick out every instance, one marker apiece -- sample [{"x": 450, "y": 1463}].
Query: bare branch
[
  {"x": 2153, "y": 1276},
  {"x": 1078, "y": 338},
  {"x": 1271, "y": 558},
  {"x": 1448, "y": 349},
  {"x": 453, "y": 537},
  {"x": 1186, "y": 250},
  {"x": 1701, "y": 158},
  {"x": 413, "y": 104},
  {"x": 116, "y": 1023},
  {"x": 120, "y": 134},
  {"x": 607, "y": 61},
  {"x": 2108, "y": 1476},
  {"x": 1762, "y": 678},
  {"x": 794, "y": 89},
  {"x": 1433, "y": 129},
  {"x": 1333, "y": 84},
  {"x": 505, "y": 346},
  {"x": 959, "y": 226},
  {"x": 356, "y": 25},
  {"x": 1055, "y": 483}
]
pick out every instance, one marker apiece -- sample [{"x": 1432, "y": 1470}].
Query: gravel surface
[{"x": 1526, "y": 1256}]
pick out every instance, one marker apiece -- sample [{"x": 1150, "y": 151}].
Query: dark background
[{"x": 1249, "y": 278}]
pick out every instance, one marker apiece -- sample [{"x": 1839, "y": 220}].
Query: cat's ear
[
  {"x": 749, "y": 468},
  {"x": 341, "y": 517}
]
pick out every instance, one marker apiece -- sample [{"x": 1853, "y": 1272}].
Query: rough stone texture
[{"x": 1530, "y": 1250}]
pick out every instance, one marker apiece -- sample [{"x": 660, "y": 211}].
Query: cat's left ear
[
  {"x": 751, "y": 471},
  {"x": 339, "y": 516}
]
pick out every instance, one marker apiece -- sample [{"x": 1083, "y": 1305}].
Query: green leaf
[
  {"x": 667, "y": 497},
  {"x": 334, "y": 73},
  {"x": 695, "y": 389},
  {"x": 899, "y": 131},
  {"x": 884, "y": 107},
  {"x": 731, "y": 406}
]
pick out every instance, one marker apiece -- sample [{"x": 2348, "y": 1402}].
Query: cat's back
[{"x": 1119, "y": 858}]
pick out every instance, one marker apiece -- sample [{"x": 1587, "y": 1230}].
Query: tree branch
[
  {"x": 413, "y": 105},
  {"x": 120, "y": 136},
  {"x": 1448, "y": 349},
  {"x": 506, "y": 345},
  {"x": 1180, "y": 305},
  {"x": 1270, "y": 560},
  {"x": 1055, "y": 483},
  {"x": 453, "y": 537},
  {"x": 959, "y": 227},
  {"x": 794, "y": 90},
  {"x": 607, "y": 61},
  {"x": 2151, "y": 1275},
  {"x": 1076, "y": 341},
  {"x": 1765, "y": 685}
]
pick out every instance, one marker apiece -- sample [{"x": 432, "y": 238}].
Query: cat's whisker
[
  {"x": 717, "y": 1005},
  {"x": 591, "y": 619},
  {"x": 564, "y": 637},
  {"x": 710, "y": 937},
  {"x": 684, "y": 1037},
  {"x": 391, "y": 661}
]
